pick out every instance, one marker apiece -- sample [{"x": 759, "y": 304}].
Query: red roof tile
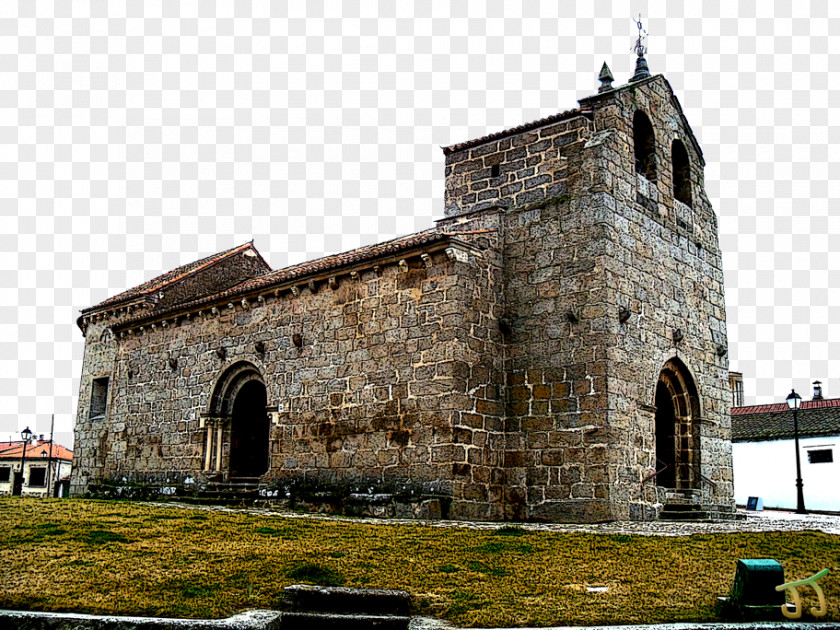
[
  {"x": 155, "y": 284},
  {"x": 14, "y": 450},
  {"x": 579, "y": 111},
  {"x": 774, "y": 407}
]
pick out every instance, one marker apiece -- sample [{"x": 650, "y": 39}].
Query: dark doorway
[
  {"x": 665, "y": 422},
  {"x": 677, "y": 428},
  {"x": 249, "y": 432}
]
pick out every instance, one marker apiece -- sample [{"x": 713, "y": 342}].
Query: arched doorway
[
  {"x": 677, "y": 428},
  {"x": 666, "y": 420},
  {"x": 249, "y": 431},
  {"x": 239, "y": 402}
]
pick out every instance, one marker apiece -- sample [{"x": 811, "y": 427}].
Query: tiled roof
[
  {"x": 14, "y": 450},
  {"x": 309, "y": 268},
  {"x": 579, "y": 111},
  {"x": 155, "y": 284},
  {"x": 775, "y": 422}
]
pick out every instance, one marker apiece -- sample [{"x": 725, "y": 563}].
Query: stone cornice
[{"x": 213, "y": 306}]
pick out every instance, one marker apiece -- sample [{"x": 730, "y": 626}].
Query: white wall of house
[
  {"x": 768, "y": 470},
  {"x": 60, "y": 469}
]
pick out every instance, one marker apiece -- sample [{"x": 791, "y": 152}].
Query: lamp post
[
  {"x": 794, "y": 401},
  {"x": 25, "y": 435},
  {"x": 47, "y": 475}
]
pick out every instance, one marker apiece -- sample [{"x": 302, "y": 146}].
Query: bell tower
[{"x": 615, "y": 352}]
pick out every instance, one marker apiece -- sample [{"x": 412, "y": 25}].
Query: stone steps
[
  {"x": 346, "y": 608},
  {"x": 700, "y": 516},
  {"x": 236, "y": 491},
  {"x": 684, "y": 511},
  {"x": 311, "y": 621}
]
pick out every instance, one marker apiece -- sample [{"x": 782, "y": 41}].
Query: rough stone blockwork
[{"x": 554, "y": 350}]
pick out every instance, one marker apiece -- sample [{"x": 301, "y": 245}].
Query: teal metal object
[
  {"x": 755, "y": 583},
  {"x": 753, "y": 596}
]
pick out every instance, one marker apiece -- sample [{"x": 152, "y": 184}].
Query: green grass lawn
[{"x": 130, "y": 558}]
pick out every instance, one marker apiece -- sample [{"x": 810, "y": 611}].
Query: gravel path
[{"x": 764, "y": 521}]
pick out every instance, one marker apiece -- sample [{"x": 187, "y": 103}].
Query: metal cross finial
[
  {"x": 642, "y": 70},
  {"x": 640, "y": 48}
]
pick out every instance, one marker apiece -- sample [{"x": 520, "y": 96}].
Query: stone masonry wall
[
  {"x": 557, "y": 438},
  {"x": 392, "y": 382},
  {"x": 517, "y": 375},
  {"x": 664, "y": 266},
  {"x": 92, "y": 434},
  {"x": 214, "y": 278},
  {"x": 532, "y": 167},
  {"x": 580, "y": 383}
]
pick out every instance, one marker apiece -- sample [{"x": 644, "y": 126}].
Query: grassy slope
[{"x": 128, "y": 558}]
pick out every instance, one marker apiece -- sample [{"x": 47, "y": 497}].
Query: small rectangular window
[
  {"x": 821, "y": 456},
  {"x": 98, "y": 397},
  {"x": 37, "y": 477},
  {"x": 495, "y": 170},
  {"x": 5, "y": 474}
]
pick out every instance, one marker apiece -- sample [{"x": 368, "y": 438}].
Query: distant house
[
  {"x": 46, "y": 470},
  {"x": 764, "y": 454}
]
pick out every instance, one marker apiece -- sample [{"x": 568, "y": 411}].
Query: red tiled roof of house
[
  {"x": 301, "y": 270},
  {"x": 775, "y": 422},
  {"x": 806, "y": 404},
  {"x": 578, "y": 111},
  {"x": 14, "y": 450},
  {"x": 161, "y": 281}
]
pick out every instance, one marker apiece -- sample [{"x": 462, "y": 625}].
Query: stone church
[{"x": 554, "y": 349}]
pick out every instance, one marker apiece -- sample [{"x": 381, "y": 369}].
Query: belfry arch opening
[
  {"x": 238, "y": 408},
  {"x": 644, "y": 145},
  {"x": 681, "y": 172},
  {"x": 677, "y": 428}
]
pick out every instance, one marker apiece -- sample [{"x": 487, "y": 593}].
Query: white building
[
  {"x": 764, "y": 454},
  {"x": 46, "y": 468}
]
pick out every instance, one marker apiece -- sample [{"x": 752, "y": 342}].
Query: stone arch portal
[
  {"x": 239, "y": 401},
  {"x": 677, "y": 426}
]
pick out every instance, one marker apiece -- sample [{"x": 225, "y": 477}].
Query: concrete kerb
[
  {"x": 767, "y": 625},
  {"x": 26, "y": 620},
  {"x": 764, "y": 521},
  {"x": 272, "y": 620}
]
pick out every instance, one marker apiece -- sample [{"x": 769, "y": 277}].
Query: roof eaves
[
  {"x": 326, "y": 266},
  {"x": 536, "y": 124},
  {"x": 135, "y": 293}
]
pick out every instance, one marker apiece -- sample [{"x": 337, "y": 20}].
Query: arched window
[
  {"x": 682, "y": 173},
  {"x": 644, "y": 145}
]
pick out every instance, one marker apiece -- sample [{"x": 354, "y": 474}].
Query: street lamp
[
  {"x": 25, "y": 435},
  {"x": 794, "y": 401}
]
